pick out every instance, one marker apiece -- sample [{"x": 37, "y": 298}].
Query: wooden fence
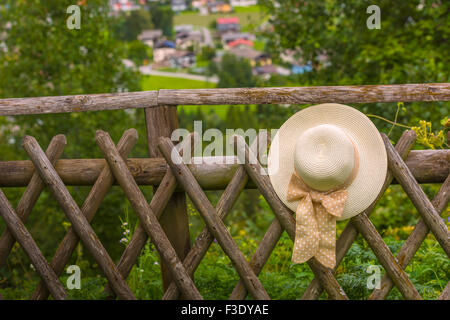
[{"x": 164, "y": 219}]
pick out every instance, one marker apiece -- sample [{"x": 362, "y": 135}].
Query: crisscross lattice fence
[{"x": 166, "y": 170}]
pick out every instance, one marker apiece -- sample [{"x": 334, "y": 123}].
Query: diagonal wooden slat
[
  {"x": 146, "y": 215},
  {"x": 420, "y": 200},
  {"x": 76, "y": 217},
  {"x": 158, "y": 203},
  {"x": 445, "y": 295},
  {"x": 21, "y": 234},
  {"x": 413, "y": 242},
  {"x": 348, "y": 236},
  {"x": 385, "y": 256},
  {"x": 30, "y": 196},
  {"x": 205, "y": 238},
  {"x": 187, "y": 180},
  {"x": 259, "y": 176},
  {"x": 89, "y": 208}
]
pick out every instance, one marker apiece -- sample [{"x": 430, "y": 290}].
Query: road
[{"x": 147, "y": 70}]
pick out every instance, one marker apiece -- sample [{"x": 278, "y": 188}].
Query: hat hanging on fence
[{"x": 326, "y": 163}]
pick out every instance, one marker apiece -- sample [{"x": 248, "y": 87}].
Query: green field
[
  {"x": 249, "y": 16},
  {"x": 158, "y": 82}
]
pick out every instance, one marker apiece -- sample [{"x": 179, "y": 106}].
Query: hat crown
[{"x": 324, "y": 157}]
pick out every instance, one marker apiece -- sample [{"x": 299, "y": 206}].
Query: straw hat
[{"x": 330, "y": 146}]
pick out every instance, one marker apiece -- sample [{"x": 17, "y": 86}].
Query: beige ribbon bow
[{"x": 315, "y": 231}]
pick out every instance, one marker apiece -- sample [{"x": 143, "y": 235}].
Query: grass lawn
[{"x": 248, "y": 16}]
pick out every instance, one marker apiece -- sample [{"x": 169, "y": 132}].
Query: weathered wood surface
[
  {"x": 21, "y": 234},
  {"x": 413, "y": 242},
  {"x": 286, "y": 95},
  {"x": 146, "y": 216},
  {"x": 78, "y": 103},
  {"x": 161, "y": 121},
  {"x": 284, "y": 216},
  {"x": 385, "y": 257},
  {"x": 445, "y": 295},
  {"x": 418, "y": 197},
  {"x": 206, "y": 238},
  {"x": 30, "y": 196},
  {"x": 430, "y": 166},
  {"x": 159, "y": 201},
  {"x": 89, "y": 208},
  {"x": 215, "y": 225},
  {"x": 348, "y": 236},
  {"x": 300, "y": 95},
  {"x": 76, "y": 217}
]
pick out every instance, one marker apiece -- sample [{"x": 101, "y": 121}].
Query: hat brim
[{"x": 372, "y": 170}]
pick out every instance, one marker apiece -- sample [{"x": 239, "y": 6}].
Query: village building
[
  {"x": 219, "y": 7},
  {"x": 182, "y": 59},
  {"x": 243, "y": 3},
  {"x": 254, "y": 56},
  {"x": 185, "y": 40},
  {"x": 178, "y": 5},
  {"x": 226, "y": 25},
  {"x": 226, "y": 38},
  {"x": 150, "y": 37}
]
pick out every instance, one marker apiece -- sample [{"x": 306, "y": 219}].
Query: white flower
[{"x": 123, "y": 240}]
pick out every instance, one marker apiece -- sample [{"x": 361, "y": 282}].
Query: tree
[
  {"x": 132, "y": 24},
  {"x": 235, "y": 72},
  {"x": 410, "y": 47},
  {"x": 162, "y": 17},
  {"x": 137, "y": 52},
  {"x": 42, "y": 57}
]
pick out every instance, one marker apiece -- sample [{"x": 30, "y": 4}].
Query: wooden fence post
[{"x": 160, "y": 122}]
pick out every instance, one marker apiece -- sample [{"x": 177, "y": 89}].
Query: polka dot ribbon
[{"x": 315, "y": 230}]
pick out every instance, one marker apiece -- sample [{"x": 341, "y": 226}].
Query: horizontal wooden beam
[
  {"x": 78, "y": 103},
  {"x": 232, "y": 96},
  {"x": 301, "y": 95},
  {"x": 427, "y": 166}
]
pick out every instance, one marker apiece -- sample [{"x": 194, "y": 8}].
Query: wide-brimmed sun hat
[{"x": 329, "y": 147}]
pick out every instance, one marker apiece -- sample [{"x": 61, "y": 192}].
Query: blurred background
[{"x": 125, "y": 45}]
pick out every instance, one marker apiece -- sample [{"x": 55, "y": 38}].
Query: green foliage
[
  {"x": 137, "y": 52},
  {"x": 409, "y": 47},
  {"x": 131, "y": 24},
  {"x": 234, "y": 72},
  {"x": 162, "y": 17},
  {"x": 207, "y": 53}
]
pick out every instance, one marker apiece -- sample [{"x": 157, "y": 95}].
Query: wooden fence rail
[
  {"x": 213, "y": 173},
  {"x": 231, "y": 174},
  {"x": 233, "y": 96}
]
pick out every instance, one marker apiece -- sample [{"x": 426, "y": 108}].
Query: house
[
  {"x": 150, "y": 37},
  {"x": 233, "y": 36},
  {"x": 254, "y": 56},
  {"x": 178, "y": 5},
  {"x": 183, "y": 28},
  {"x": 165, "y": 44},
  {"x": 225, "y": 25},
  {"x": 182, "y": 59},
  {"x": 219, "y": 7},
  {"x": 268, "y": 70},
  {"x": 239, "y": 43},
  {"x": 162, "y": 54},
  {"x": 300, "y": 69},
  {"x": 185, "y": 40},
  {"x": 122, "y": 5},
  {"x": 243, "y": 3}
]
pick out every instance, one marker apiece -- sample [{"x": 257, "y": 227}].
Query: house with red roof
[
  {"x": 239, "y": 43},
  {"x": 230, "y": 24}
]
